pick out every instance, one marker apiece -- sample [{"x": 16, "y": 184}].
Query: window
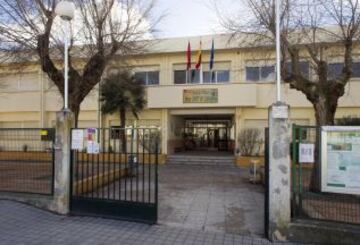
[
  {"x": 252, "y": 74},
  {"x": 193, "y": 76},
  {"x": 148, "y": 77},
  {"x": 219, "y": 76},
  {"x": 267, "y": 72},
  {"x": 335, "y": 70},
  {"x": 260, "y": 73},
  {"x": 180, "y": 77},
  {"x": 356, "y": 69},
  {"x": 304, "y": 68}
]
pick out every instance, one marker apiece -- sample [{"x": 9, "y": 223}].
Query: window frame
[
  {"x": 146, "y": 72},
  {"x": 259, "y": 69},
  {"x": 197, "y": 76}
]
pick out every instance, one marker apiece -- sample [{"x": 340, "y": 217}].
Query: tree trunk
[
  {"x": 325, "y": 109},
  {"x": 122, "y": 129},
  {"x": 75, "y": 108}
]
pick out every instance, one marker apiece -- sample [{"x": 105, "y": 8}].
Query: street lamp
[
  {"x": 278, "y": 51},
  {"x": 66, "y": 10}
]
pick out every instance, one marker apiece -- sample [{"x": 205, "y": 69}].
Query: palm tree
[{"x": 121, "y": 92}]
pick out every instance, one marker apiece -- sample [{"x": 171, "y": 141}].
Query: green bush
[{"x": 348, "y": 121}]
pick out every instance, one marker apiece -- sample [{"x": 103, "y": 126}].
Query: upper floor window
[
  {"x": 219, "y": 74},
  {"x": 267, "y": 72},
  {"x": 148, "y": 77},
  {"x": 335, "y": 70},
  {"x": 193, "y": 76},
  {"x": 304, "y": 68},
  {"x": 260, "y": 73}
]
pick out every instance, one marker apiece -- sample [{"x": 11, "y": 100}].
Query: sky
[{"x": 190, "y": 17}]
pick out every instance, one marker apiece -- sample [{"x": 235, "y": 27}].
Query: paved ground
[
  {"x": 23, "y": 224},
  {"x": 210, "y": 198}
]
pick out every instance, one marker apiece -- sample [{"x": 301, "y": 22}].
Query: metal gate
[
  {"x": 266, "y": 199},
  {"x": 121, "y": 179}
]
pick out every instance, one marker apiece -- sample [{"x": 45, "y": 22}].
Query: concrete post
[
  {"x": 64, "y": 123},
  {"x": 279, "y": 172}
]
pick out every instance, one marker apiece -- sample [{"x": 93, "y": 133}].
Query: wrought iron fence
[
  {"x": 117, "y": 181},
  {"x": 308, "y": 200},
  {"x": 27, "y": 160}
]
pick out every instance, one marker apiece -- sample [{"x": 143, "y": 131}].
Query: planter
[{"x": 244, "y": 161}]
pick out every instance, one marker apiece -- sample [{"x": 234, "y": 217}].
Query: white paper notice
[
  {"x": 93, "y": 147},
  {"x": 280, "y": 112},
  {"x": 306, "y": 153},
  {"x": 77, "y": 139}
]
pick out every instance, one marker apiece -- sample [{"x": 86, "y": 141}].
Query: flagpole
[
  {"x": 187, "y": 63},
  {"x": 278, "y": 52},
  {"x": 201, "y": 70}
]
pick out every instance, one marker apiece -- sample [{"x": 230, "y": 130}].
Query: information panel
[
  {"x": 200, "y": 96},
  {"x": 340, "y": 159}
]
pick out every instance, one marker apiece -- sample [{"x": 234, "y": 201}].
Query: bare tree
[
  {"x": 101, "y": 30},
  {"x": 310, "y": 29},
  {"x": 250, "y": 141}
]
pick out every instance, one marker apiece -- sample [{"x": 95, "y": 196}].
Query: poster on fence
[
  {"x": 92, "y": 147},
  {"x": 306, "y": 153},
  {"x": 91, "y": 134},
  {"x": 340, "y": 159},
  {"x": 77, "y": 139}
]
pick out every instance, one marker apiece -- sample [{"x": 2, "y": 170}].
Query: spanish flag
[{"x": 198, "y": 63}]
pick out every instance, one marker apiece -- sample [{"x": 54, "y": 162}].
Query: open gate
[{"x": 113, "y": 179}]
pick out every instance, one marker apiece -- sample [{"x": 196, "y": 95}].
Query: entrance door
[{"x": 120, "y": 181}]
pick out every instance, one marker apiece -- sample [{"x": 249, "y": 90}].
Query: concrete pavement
[{"x": 24, "y": 224}]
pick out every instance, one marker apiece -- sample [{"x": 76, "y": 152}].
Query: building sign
[
  {"x": 200, "y": 95},
  {"x": 306, "y": 153},
  {"x": 340, "y": 160},
  {"x": 280, "y": 112}
]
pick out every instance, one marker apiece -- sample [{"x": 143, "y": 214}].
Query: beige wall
[{"x": 28, "y": 98}]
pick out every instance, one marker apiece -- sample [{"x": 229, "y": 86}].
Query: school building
[{"x": 201, "y": 110}]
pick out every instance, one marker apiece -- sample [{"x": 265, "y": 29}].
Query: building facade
[{"x": 193, "y": 111}]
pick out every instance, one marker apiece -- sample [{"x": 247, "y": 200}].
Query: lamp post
[
  {"x": 278, "y": 52},
  {"x": 66, "y": 10}
]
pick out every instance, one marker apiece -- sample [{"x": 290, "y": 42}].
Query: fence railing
[
  {"x": 308, "y": 201},
  {"x": 118, "y": 180},
  {"x": 27, "y": 160}
]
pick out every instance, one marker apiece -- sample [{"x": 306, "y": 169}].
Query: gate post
[
  {"x": 279, "y": 172},
  {"x": 62, "y": 178}
]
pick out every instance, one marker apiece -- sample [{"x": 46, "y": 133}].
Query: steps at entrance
[{"x": 213, "y": 160}]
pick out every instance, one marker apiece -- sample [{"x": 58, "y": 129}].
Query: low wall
[
  {"x": 93, "y": 182},
  {"x": 104, "y": 157},
  {"x": 83, "y": 186},
  {"x": 321, "y": 232},
  {"x": 117, "y": 157},
  {"x": 243, "y": 161},
  {"x": 26, "y": 156}
]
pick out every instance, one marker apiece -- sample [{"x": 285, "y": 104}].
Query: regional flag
[
  {"x": 188, "y": 54},
  {"x": 212, "y": 55},
  {"x": 198, "y": 63}
]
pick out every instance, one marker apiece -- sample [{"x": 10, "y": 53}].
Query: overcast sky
[{"x": 190, "y": 17}]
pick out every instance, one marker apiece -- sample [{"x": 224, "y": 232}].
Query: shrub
[
  {"x": 250, "y": 142},
  {"x": 348, "y": 121}
]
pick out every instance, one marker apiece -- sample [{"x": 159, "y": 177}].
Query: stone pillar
[
  {"x": 64, "y": 123},
  {"x": 279, "y": 172}
]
